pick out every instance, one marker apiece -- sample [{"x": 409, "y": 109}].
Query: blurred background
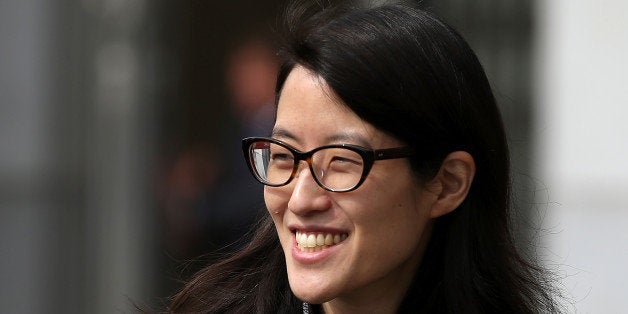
[{"x": 120, "y": 128}]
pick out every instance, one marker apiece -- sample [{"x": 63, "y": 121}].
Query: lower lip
[{"x": 312, "y": 257}]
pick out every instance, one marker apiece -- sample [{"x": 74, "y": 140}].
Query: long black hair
[{"x": 408, "y": 74}]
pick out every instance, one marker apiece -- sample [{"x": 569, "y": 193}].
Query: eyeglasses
[{"x": 336, "y": 168}]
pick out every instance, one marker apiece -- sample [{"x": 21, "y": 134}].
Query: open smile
[{"x": 317, "y": 241}]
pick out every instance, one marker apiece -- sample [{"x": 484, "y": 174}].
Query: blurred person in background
[{"x": 209, "y": 197}]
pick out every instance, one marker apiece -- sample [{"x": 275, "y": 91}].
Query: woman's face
[{"x": 382, "y": 227}]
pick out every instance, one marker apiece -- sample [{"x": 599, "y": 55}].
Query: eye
[
  {"x": 345, "y": 163},
  {"x": 345, "y": 160},
  {"x": 281, "y": 157}
]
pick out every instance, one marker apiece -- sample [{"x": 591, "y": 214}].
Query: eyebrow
[
  {"x": 344, "y": 137},
  {"x": 348, "y": 138},
  {"x": 279, "y": 132}
]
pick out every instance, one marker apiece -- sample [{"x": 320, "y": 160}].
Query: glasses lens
[
  {"x": 338, "y": 169},
  {"x": 272, "y": 163}
]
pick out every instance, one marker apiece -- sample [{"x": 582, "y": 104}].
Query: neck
[{"x": 380, "y": 304}]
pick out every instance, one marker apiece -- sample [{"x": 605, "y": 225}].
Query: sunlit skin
[{"x": 388, "y": 219}]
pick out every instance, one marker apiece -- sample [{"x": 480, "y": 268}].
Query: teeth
[
  {"x": 329, "y": 240},
  {"x": 320, "y": 239},
  {"x": 315, "y": 242},
  {"x": 311, "y": 241}
]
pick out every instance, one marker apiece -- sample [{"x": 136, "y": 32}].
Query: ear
[{"x": 452, "y": 182}]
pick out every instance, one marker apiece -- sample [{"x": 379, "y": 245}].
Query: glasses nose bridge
[{"x": 307, "y": 158}]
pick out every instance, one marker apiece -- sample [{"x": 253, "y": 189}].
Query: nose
[{"x": 307, "y": 196}]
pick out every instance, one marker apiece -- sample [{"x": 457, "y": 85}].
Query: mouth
[{"x": 316, "y": 241}]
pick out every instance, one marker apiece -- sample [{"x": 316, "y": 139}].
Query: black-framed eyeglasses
[{"x": 336, "y": 168}]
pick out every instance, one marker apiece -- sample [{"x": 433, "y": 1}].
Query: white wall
[{"x": 582, "y": 147}]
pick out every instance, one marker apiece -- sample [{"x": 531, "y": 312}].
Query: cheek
[
  {"x": 394, "y": 224},
  {"x": 392, "y": 217},
  {"x": 391, "y": 238},
  {"x": 276, "y": 200},
  {"x": 276, "y": 205}
]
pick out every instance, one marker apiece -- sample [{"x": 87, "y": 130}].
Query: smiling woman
[
  {"x": 382, "y": 225},
  {"x": 386, "y": 179}
]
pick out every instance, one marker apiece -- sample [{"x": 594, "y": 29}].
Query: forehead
[
  {"x": 306, "y": 92},
  {"x": 310, "y": 114}
]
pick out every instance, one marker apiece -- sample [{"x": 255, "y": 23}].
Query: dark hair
[{"x": 408, "y": 74}]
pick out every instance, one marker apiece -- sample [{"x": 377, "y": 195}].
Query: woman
[{"x": 386, "y": 179}]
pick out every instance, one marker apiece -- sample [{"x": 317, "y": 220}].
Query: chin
[
  {"x": 314, "y": 294},
  {"x": 313, "y": 298}
]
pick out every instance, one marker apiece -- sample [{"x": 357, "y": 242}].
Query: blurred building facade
[
  {"x": 116, "y": 117},
  {"x": 581, "y": 147}
]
